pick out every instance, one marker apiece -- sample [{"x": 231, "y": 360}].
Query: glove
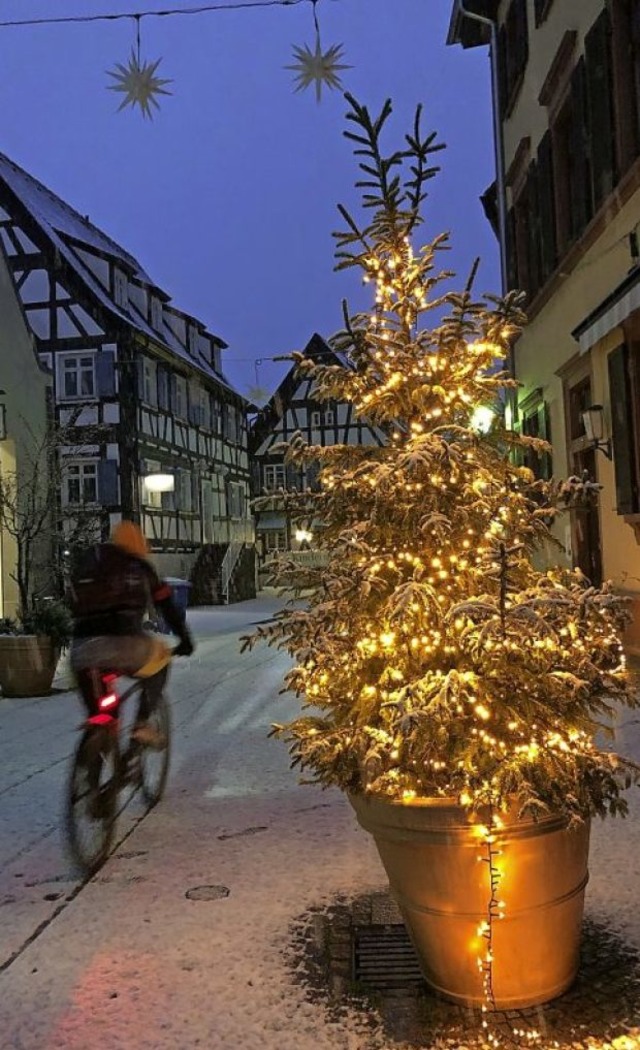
[{"x": 185, "y": 647}]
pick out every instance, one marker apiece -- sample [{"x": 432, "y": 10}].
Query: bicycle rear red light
[{"x": 107, "y": 701}]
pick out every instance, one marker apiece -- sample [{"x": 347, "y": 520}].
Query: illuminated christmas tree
[{"x": 433, "y": 657}]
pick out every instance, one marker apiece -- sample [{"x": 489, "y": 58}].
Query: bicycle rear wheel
[
  {"x": 154, "y": 760},
  {"x": 92, "y": 797}
]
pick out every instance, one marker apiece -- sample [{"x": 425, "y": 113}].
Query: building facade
[
  {"x": 139, "y": 382},
  {"x": 24, "y": 385},
  {"x": 294, "y": 409},
  {"x": 567, "y": 119}
]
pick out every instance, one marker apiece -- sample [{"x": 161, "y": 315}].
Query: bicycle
[{"x": 106, "y": 761}]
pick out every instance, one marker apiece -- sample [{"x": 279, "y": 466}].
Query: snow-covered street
[{"x": 128, "y": 960}]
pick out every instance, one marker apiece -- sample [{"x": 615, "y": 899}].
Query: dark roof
[
  {"x": 469, "y": 31},
  {"x": 67, "y": 230}
]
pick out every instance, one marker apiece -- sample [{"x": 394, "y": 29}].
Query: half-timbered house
[
  {"x": 293, "y": 408},
  {"x": 141, "y": 379}
]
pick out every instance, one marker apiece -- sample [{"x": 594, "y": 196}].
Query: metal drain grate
[{"x": 384, "y": 957}]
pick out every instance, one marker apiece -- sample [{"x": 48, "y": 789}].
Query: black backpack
[{"x": 107, "y": 578}]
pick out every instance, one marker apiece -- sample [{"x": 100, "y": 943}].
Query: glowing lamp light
[
  {"x": 303, "y": 536},
  {"x": 482, "y": 419},
  {"x": 159, "y": 482}
]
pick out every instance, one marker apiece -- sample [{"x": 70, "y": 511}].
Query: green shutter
[
  {"x": 581, "y": 149},
  {"x": 512, "y": 257},
  {"x": 623, "y": 432},
  {"x": 533, "y": 230},
  {"x": 546, "y": 203},
  {"x": 600, "y": 99}
]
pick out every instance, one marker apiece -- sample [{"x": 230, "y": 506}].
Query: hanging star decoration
[
  {"x": 139, "y": 84},
  {"x": 318, "y": 66}
]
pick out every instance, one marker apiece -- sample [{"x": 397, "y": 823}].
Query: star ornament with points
[
  {"x": 139, "y": 84},
  {"x": 318, "y": 66}
]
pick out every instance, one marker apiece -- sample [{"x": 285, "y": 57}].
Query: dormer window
[
  {"x": 156, "y": 313},
  {"x": 120, "y": 289}
]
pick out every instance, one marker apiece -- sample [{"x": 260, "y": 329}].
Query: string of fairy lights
[{"x": 137, "y": 79}]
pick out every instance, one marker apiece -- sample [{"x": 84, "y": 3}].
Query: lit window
[
  {"x": 81, "y": 483},
  {"x": 78, "y": 376}
]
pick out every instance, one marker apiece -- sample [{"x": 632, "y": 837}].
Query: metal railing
[{"x": 229, "y": 562}]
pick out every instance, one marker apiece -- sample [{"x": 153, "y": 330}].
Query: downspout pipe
[{"x": 498, "y": 139}]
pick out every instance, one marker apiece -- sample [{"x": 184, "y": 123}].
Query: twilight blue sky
[{"x": 228, "y": 197}]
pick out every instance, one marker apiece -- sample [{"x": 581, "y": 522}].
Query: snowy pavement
[{"x": 130, "y": 961}]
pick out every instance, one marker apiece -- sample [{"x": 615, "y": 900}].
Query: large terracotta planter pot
[
  {"x": 430, "y": 851},
  {"x": 27, "y": 664}
]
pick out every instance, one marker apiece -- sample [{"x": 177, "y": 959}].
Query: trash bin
[{"x": 180, "y": 590}]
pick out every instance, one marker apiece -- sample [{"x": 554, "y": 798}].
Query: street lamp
[{"x": 593, "y": 422}]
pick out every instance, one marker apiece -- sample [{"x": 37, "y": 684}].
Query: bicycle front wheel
[
  {"x": 154, "y": 759},
  {"x": 92, "y": 797}
]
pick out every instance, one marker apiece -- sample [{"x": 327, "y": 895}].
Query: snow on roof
[
  {"x": 62, "y": 224},
  {"x": 50, "y": 210}
]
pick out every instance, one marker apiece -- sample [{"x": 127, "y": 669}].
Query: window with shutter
[
  {"x": 546, "y": 206},
  {"x": 581, "y": 148},
  {"x": 599, "y": 84},
  {"x": 561, "y": 133},
  {"x": 512, "y": 258},
  {"x": 513, "y": 54},
  {"x": 163, "y": 388},
  {"x": 623, "y": 432},
  {"x": 536, "y": 423},
  {"x": 625, "y": 44},
  {"x": 541, "y": 9}
]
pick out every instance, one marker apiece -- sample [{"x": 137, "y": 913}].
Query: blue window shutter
[
  {"x": 108, "y": 483},
  {"x": 163, "y": 388},
  {"x": 139, "y": 374},
  {"x": 106, "y": 373},
  {"x": 194, "y": 407}
]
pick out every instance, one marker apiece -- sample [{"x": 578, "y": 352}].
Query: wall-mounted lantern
[
  {"x": 159, "y": 482},
  {"x": 593, "y": 421}
]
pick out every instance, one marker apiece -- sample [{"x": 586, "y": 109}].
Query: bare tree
[{"x": 34, "y": 515}]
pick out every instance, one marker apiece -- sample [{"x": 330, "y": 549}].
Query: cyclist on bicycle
[{"x": 111, "y": 591}]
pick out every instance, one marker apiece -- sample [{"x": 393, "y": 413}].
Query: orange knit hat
[{"x": 128, "y": 536}]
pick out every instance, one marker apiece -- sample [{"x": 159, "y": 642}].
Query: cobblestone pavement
[{"x": 601, "y": 1010}]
